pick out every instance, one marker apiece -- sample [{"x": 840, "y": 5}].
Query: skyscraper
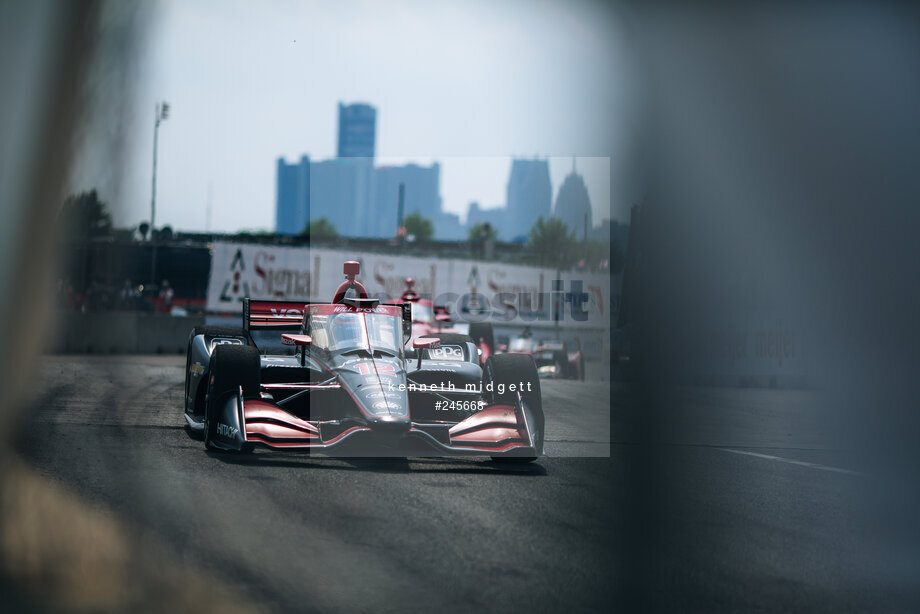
[
  {"x": 573, "y": 205},
  {"x": 358, "y": 199},
  {"x": 422, "y": 195},
  {"x": 357, "y": 129},
  {"x": 292, "y": 196},
  {"x": 530, "y": 195},
  {"x": 340, "y": 191}
]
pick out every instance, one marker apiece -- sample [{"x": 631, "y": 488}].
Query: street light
[{"x": 162, "y": 112}]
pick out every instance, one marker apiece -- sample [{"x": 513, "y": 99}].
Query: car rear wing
[{"x": 281, "y": 316}]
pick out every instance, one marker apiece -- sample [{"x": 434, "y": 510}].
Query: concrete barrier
[
  {"x": 121, "y": 333},
  {"x": 128, "y": 332},
  {"x": 595, "y": 342}
]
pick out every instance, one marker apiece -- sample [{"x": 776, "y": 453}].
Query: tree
[
  {"x": 320, "y": 229},
  {"x": 163, "y": 234},
  {"x": 419, "y": 226},
  {"x": 482, "y": 231},
  {"x": 253, "y": 232},
  {"x": 482, "y": 240},
  {"x": 84, "y": 216},
  {"x": 554, "y": 242}
]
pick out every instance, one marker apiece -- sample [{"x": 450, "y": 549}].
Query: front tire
[
  {"x": 515, "y": 368},
  {"x": 194, "y": 401},
  {"x": 232, "y": 367}
]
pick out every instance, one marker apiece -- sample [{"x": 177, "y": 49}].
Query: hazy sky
[{"x": 469, "y": 84}]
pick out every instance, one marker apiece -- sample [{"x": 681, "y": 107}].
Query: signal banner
[
  {"x": 472, "y": 291},
  {"x": 262, "y": 272}
]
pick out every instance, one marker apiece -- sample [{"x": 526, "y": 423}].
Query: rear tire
[
  {"x": 561, "y": 360},
  {"x": 231, "y": 367},
  {"x": 482, "y": 334},
  {"x": 515, "y": 368}
]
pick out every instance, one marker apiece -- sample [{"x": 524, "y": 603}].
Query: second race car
[
  {"x": 430, "y": 319},
  {"x": 554, "y": 358}
]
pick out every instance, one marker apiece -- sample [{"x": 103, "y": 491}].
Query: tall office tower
[
  {"x": 573, "y": 205},
  {"x": 340, "y": 192},
  {"x": 357, "y": 129},
  {"x": 530, "y": 196},
  {"x": 292, "y": 196},
  {"x": 422, "y": 194}
]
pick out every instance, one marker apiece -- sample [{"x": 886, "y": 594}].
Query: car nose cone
[{"x": 379, "y": 388}]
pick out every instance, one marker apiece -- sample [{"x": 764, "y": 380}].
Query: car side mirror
[
  {"x": 302, "y": 341},
  {"x": 426, "y": 342},
  {"x": 430, "y": 343},
  {"x": 290, "y": 339}
]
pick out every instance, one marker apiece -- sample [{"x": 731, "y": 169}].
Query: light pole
[
  {"x": 400, "y": 229},
  {"x": 162, "y": 112}
]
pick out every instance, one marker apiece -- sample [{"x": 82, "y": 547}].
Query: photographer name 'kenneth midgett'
[{"x": 500, "y": 387}]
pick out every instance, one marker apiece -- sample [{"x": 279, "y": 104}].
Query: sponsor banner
[
  {"x": 472, "y": 291},
  {"x": 262, "y": 272},
  {"x": 384, "y": 277}
]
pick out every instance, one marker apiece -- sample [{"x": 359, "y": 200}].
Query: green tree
[
  {"x": 320, "y": 229},
  {"x": 482, "y": 231},
  {"x": 248, "y": 233},
  {"x": 419, "y": 226},
  {"x": 84, "y": 216},
  {"x": 554, "y": 243}
]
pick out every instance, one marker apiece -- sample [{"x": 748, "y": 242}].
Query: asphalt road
[{"x": 725, "y": 500}]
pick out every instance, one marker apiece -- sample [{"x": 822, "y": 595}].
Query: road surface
[{"x": 729, "y": 499}]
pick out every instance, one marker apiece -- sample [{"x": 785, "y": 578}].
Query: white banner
[
  {"x": 473, "y": 291},
  {"x": 259, "y": 271}
]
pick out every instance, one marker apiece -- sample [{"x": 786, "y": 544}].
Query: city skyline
[
  {"x": 257, "y": 90},
  {"x": 379, "y": 168}
]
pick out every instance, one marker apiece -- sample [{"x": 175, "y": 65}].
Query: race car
[
  {"x": 337, "y": 378},
  {"x": 429, "y": 319},
  {"x": 554, "y": 359}
]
